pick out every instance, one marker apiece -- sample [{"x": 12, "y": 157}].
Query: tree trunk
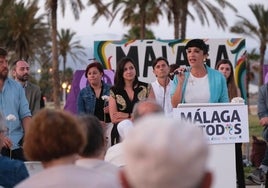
[
  {"x": 176, "y": 20},
  {"x": 64, "y": 68},
  {"x": 143, "y": 19},
  {"x": 183, "y": 20},
  {"x": 55, "y": 63},
  {"x": 142, "y": 31},
  {"x": 262, "y": 53}
]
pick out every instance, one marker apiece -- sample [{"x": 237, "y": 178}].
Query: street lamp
[{"x": 64, "y": 86}]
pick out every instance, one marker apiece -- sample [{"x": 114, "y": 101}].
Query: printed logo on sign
[{"x": 219, "y": 124}]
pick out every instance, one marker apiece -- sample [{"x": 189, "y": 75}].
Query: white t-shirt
[
  {"x": 162, "y": 97},
  {"x": 197, "y": 90}
]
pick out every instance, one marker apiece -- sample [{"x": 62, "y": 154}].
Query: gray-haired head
[
  {"x": 164, "y": 152},
  {"x": 146, "y": 107}
]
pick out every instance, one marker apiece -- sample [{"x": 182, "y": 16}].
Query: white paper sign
[{"x": 220, "y": 123}]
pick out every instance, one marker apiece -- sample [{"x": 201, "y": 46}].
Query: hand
[
  {"x": 106, "y": 109},
  {"x": 120, "y": 115},
  {"x": 7, "y": 143},
  {"x": 180, "y": 74},
  {"x": 264, "y": 121}
]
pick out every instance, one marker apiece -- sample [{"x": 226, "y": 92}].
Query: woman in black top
[{"x": 127, "y": 90}]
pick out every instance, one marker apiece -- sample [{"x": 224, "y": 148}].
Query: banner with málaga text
[
  {"x": 221, "y": 123},
  {"x": 143, "y": 52}
]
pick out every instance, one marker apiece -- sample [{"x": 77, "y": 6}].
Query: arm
[
  {"x": 115, "y": 115},
  {"x": 26, "y": 122},
  {"x": 151, "y": 94},
  {"x": 24, "y": 111},
  {"x": 224, "y": 97},
  {"x": 262, "y": 106},
  {"x": 177, "y": 94},
  {"x": 37, "y": 101},
  {"x": 80, "y": 104}
]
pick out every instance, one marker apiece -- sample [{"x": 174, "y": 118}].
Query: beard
[
  {"x": 23, "y": 78},
  {"x": 4, "y": 74}
]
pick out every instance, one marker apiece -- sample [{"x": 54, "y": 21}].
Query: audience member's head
[
  {"x": 162, "y": 152},
  {"x": 146, "y": 107},
  {"x": 96, "y": 143},
  {"x": 140, "y": 109},
  {"x": 52, "y": 135}
]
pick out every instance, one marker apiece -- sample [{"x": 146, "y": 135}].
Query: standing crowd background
[{"x": 121, "y": 134}]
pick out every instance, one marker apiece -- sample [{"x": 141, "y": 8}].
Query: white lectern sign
[{"x": 220, "y": 122}]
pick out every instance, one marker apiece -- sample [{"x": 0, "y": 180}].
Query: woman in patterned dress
[{"x": 127, "y": 90}]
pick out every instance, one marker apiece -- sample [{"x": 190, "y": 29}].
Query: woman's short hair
[
  {"x": 53, "y": 134},
  {"x": 96, "y": 64},
  {"x": 199, "y": 43}
]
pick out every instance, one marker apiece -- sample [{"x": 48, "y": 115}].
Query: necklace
[
  {"x": 198, "y": 73},
  {"x": 191, "y": 79}
]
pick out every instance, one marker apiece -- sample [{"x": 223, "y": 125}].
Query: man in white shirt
[{"x": 160, "y": 90}]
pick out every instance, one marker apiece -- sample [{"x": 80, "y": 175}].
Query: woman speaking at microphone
[{"x": 201, "y": 84}]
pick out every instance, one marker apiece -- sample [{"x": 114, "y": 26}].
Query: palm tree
[
  {"x": 137, "y": 13},
  {"x": 134, "y": 33},
  {"x": 52, "y": 7},
  {"x": 178, "y": 10},
  {"x": 101, "y": 10},
  {"x": 21, "y": 30},
  {"x": 69, "y": 47},
  {"x": 259, "y": 31}
]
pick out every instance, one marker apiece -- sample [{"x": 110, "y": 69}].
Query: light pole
[{"x": 64, "y": 86}]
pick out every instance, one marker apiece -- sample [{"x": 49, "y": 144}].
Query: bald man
[{"x": 20, "y": 72}]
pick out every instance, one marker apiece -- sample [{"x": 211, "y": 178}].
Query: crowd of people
[{"x": 73, "y": 148}]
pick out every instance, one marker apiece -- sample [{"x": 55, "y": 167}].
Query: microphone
[{"x": 186, "y": 69}]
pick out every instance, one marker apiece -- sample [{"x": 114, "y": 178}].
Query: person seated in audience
[
  {"x": 142, "y": 108},
  {"x": 11, "y": 171},
  {"x": 92, "y": 156},
  {"x": 162, "y": 152},
  {"x": 55, "y": 137}
]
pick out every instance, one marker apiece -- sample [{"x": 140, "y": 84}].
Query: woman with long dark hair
[{"x": 127, "y": 90}]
